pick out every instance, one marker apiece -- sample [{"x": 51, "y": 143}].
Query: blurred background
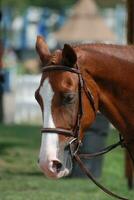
[{"x": 61, "y": 21}]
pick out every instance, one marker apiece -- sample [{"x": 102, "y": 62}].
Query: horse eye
[{"x": 68, "y": 98}]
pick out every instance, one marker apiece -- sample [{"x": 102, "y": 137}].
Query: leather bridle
[
  {"x": 75, "y": 133},
  {"x": 82, "y": 86}
]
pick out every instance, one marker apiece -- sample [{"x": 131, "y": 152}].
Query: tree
[
  {"x": 21, "y": 5},
  {"x": 130, "y": 23}
]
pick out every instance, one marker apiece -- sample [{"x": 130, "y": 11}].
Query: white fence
[{"x": 26, "y": 108}]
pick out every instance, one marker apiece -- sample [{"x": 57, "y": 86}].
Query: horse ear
[
  {"x": 69, "y": 56},
  {"x": 42, "y": 50}
]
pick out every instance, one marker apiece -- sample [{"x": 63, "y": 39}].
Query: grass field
[{"x": 20, "y": 178}]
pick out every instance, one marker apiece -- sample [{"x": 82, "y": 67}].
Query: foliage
[
  {"x": 109, "y": 3},
  {"x": 57, "y": 5},
  {"x": 20, "y": 177},
  {"x": 60, "y": 4}
]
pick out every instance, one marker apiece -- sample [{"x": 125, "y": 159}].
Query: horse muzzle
[{"x": 55, "y": 169}]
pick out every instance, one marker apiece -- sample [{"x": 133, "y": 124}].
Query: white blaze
[{"x": 49, "y": 142}]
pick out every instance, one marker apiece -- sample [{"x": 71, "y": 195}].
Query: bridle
[
  {"x": 82, "y": 86},
  {"x": 75, "y": 133}
]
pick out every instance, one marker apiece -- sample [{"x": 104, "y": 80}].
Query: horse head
[{"x": 59, "y": 98}]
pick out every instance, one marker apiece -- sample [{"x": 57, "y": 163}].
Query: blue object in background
[
  {"x": 42, "y": 27},
  {"x": 6, "y": 83}
]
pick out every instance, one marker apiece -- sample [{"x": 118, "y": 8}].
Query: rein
[{"x": 75, "y": 133}]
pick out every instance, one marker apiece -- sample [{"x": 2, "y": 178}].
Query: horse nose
[
  {"x": 56, "y": 166},
  {"x": 51, "y": 168}
]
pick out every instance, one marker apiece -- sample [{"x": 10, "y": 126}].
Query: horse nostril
[{"x": 57, "y": 165}]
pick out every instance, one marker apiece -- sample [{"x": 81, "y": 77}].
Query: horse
[{"x": 98, "y": 77}]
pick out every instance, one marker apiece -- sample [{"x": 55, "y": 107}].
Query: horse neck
[{"x": 110, "y": 74}]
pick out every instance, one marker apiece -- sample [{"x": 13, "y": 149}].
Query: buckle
[{"x": 74, "y": 150}]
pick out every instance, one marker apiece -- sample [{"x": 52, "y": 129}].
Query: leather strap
[
  {"x": 90, "y": 176},
  {"x": 75, "y": 133},
  {"x": 101, "y": 152},
  {"x": 82, "y": 87},
  {"x": 61, "y": 131},
  {"x": 51, "y": 68},
  {"x": 89, "y": 96}
]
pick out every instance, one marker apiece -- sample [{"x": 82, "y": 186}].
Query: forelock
[{"x": 56, "y": 57}]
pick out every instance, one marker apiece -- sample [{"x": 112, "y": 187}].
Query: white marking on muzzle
[{"x": 50, "y": 142}]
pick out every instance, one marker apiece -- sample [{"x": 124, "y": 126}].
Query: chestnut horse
[{"x": 108, "y": 71}]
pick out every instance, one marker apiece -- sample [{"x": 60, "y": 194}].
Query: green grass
[{"x": 21, "y": 179}]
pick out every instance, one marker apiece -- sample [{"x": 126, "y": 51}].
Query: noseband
[{"x": 75, "y": 133}]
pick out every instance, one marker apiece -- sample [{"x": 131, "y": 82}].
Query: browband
[{"x": 60, "y": 68}]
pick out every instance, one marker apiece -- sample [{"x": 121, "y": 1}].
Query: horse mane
[{"x": 123, "y": 52}]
